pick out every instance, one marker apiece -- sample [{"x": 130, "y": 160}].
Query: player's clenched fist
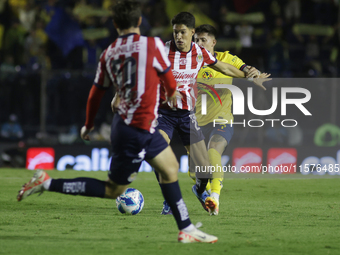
[{"x": 84, "y": 133}]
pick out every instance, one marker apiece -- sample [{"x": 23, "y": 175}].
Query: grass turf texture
[{"x": 263, "y": 214}]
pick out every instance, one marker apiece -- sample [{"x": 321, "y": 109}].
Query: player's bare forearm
[{"x": 228, "y": 69}]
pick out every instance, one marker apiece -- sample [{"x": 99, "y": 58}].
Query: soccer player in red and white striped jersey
[
  {"x": 187, "y": 58},
  {"x": 143, "y": 59},
  {"x": 185, "y": 67},
  {"x": 134, "y": 64}
]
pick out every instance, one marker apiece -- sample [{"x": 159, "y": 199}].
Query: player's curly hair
[
  {"x": 206, "y": 28},
  {"x": 126, "y": 13},
  {"x": 184, "y": 18}
]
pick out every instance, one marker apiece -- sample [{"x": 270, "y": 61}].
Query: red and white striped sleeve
[
  {"x": 161, "y": 61},
  {"x": 162, "y": 64},
  {"x": 208, "y": 58},
  {"x": 102, "y": 79}
]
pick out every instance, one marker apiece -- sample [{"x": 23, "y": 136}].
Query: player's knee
[
  {"x": 219, "y": 146},
  {"x": 172, "y": 169}
]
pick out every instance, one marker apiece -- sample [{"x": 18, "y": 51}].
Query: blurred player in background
[
  {"x": 135, "y": 64},
  {"x": 217, "y": 138},
  {"x": 186, "y": 59}
]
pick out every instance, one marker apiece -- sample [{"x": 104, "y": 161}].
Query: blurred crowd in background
[{"x": 49, "y": 49}]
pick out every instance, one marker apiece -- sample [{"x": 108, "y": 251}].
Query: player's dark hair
[
  {"x": 206, "y": 29},
  {"x": 184, "y": 18},
  {"x": 126, "y": 13}
]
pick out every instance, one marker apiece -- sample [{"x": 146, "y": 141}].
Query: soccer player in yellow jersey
[{"x": 217, "y": 138}]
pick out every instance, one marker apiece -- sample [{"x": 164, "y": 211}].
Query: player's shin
[
  {"x": 217, "y": 175},
  {"x": 173, "y": 196},
  {"x": 79, "y": 186}
]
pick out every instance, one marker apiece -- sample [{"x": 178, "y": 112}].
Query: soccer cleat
[
  {"x": 196, "y": 236},
  {"x": 213, "y": 205},
  {"x": 166, "y": 209},
  {"x": 35, "y": 185},
  {"x": 201, "y": 197}
]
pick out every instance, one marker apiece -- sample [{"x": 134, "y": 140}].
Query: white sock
[
  {"x": 47, "y": 184},
  {"x": 189, "y": 228},
  {"x": 215, "y": 195}
]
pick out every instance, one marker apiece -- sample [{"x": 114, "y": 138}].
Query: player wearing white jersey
[{"x": 185, "y": 67}]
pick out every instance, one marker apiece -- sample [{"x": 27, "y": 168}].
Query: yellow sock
[
  {"x": 217, "y": 178},
  {"x": 192, "y": 176},
  {"x": 208, "y": 188}
]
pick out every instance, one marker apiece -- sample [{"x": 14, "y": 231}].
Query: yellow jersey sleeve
[{"x": 218, "y": 100}]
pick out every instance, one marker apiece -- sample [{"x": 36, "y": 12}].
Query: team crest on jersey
[
  {"x": 207, "y": 75},
  {"x": 199, "y": 58},
  {"x": 182, "y": 61}
]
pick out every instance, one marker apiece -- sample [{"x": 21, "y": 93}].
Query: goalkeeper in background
[{"x": 217, "y": 138}]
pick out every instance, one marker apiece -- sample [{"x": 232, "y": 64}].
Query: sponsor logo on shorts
[
  {"x": 132, "y": 177},
  {"x": 141, "y": 156}
]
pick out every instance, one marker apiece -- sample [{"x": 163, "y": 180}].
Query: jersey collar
[{"x": 126, "y": 35}]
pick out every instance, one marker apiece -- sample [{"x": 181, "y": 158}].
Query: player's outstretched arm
[{"x": 228, "y": 70}]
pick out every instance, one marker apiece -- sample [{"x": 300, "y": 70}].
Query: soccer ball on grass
[{"x": 130, "y": 202}]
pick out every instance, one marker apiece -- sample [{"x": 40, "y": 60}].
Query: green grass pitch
[{"x": 259, "y": 214}]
